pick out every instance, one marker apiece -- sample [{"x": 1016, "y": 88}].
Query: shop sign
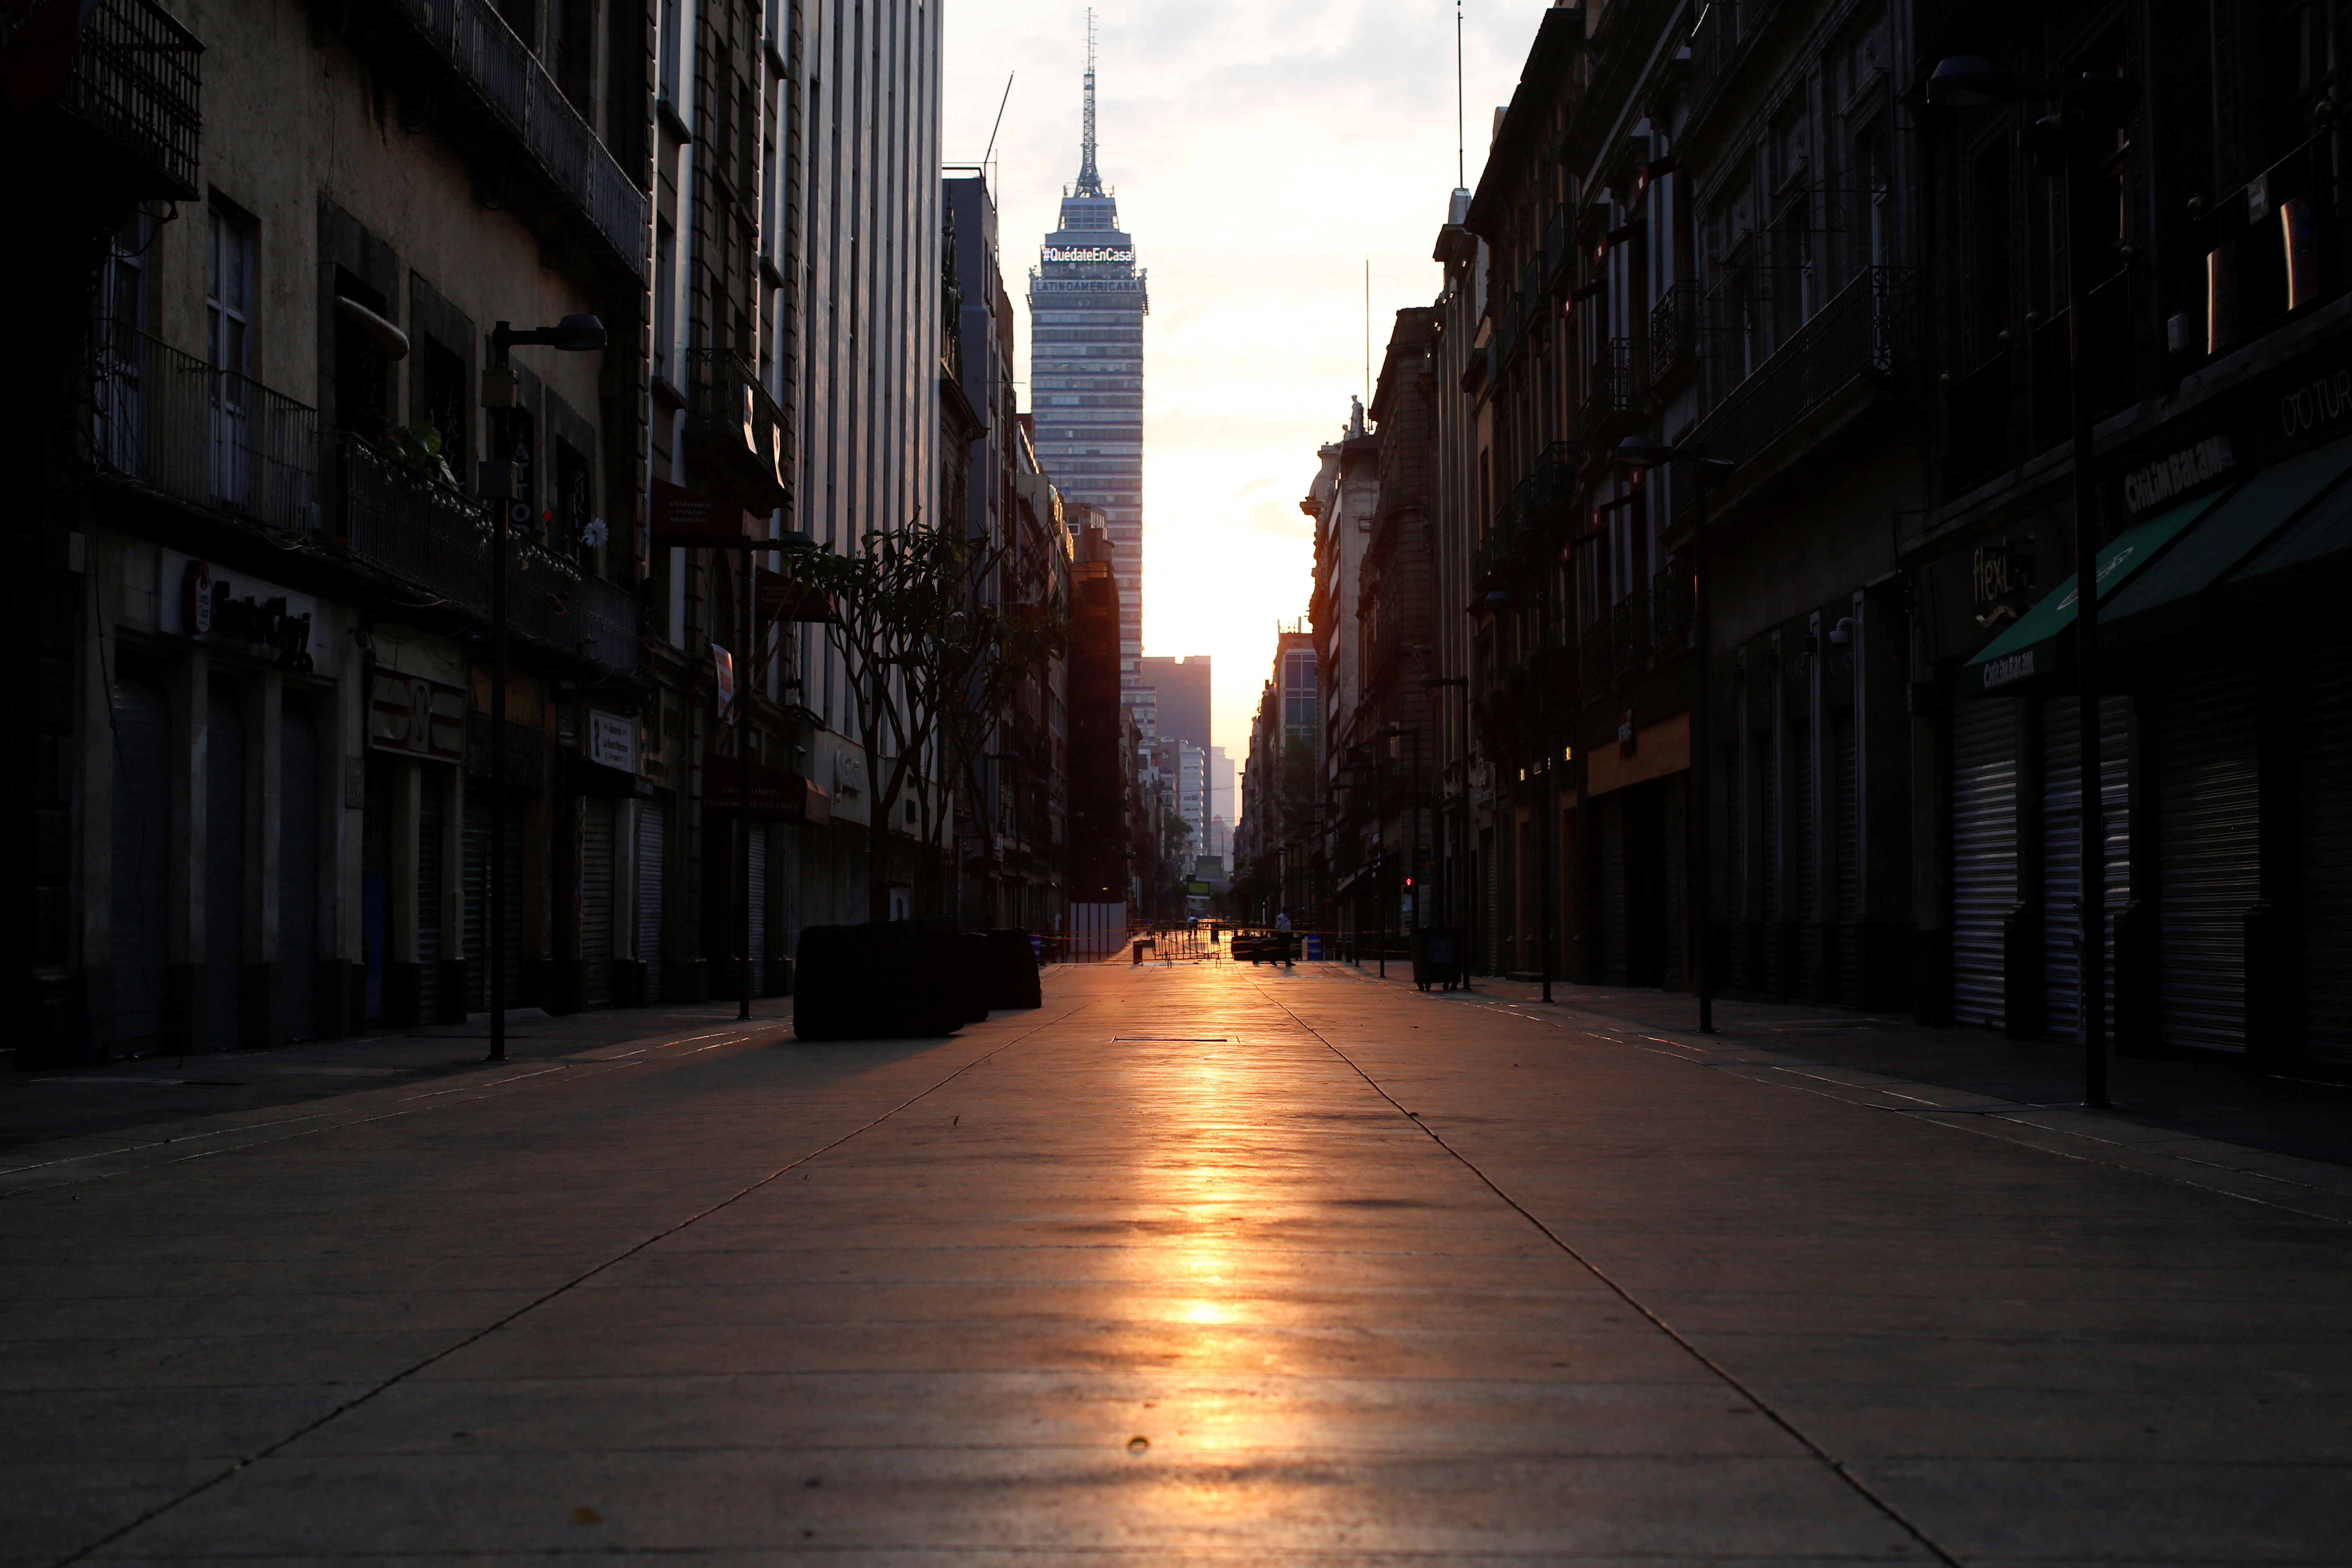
[
  {"x": 2011, "y": 667},
  {"x": 723, "y": 663},
  {"x": 209, "y": 608},
  {"x": 612, "y": 740},
  {"x": 688, "y": 518},
  {"x": 2311, "y": 404},
  {"x": 416, "y": 716},
  {"x": 778, "y": 795},
  {"x": 2185, "y": 470}
]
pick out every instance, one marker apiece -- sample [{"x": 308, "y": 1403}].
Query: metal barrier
[{"x": 135, "y": 80}]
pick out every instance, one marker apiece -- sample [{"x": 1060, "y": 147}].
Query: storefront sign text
[
  {"x": 2183, "y": 471},
  {"x": 416, "y": 716},
  {"x": 2011, "y": 667}
]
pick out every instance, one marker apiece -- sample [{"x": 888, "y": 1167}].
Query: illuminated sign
[{"x": 1097, "y": 252}]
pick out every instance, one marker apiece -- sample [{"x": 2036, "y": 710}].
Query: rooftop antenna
[
  {"x": 1461, "y": 158},
  {"x": 999, "y": 118},
  {"x": 1090, "y": 182},
  {"x": 1368, "y": 331}
]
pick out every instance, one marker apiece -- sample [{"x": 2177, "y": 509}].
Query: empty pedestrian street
[{"x": 1201, "y": 1262}]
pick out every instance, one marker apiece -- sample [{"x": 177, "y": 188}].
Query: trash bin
[{"x": 1437, "y": 956}]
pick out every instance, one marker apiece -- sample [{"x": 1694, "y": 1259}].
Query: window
[
  {"x": 228, "y": 293},
  {"x": 575, "y": 53},
  {"x": 668, "y": 45},
  {"x": 119, "y": 427},
  {"x": 574, "y": 505},
  {"x": 442, "y": 376},
  {"x": 228, "y": 332},
  {"x": 664, "y": 298},
  {"x": 362, "y": 376}
]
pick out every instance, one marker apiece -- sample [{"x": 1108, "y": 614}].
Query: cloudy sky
[{"x": 1261, "y": 152}]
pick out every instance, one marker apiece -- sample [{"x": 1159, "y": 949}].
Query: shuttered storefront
[
  {"x": 2206, "y": 866},
  {"x": 430, "y": 891},
  {"x": 1732, "y": 853},
  {"x": 652, "y": 836},
  {"x": 1845, "y": 850},
  {"x": 1984, "y": 853},
  {"x": 298, "y": 869},
  {"x": 1772, "y": 900},
  {"x": 1611, "y": 823},
  {"x": 224, "y": 867},
  {"x": 2061, "y": 852},
  {"x": 2324, "y": 818},
  {"x": 477, "y": 893},
  {"x": 596, "y": 901},
  {"x": 756, "y": 853},
  {"x": 1805, "y": 900},
  {"x": 138, "y": 902}
]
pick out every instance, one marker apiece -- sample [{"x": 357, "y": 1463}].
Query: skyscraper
[{"x": 1087, "y": 305}]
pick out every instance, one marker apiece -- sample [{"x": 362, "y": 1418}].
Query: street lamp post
[
  {"x": 1547, "y": 873},
  {"x": 573, "y": 334},
  {"x": 1462, "y": 840},
  {"x": 2085, "y": 103},
  {"x": 1698, "y": 881}
]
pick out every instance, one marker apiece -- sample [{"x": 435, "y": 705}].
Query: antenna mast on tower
[{"x": 1090, "y": 182}]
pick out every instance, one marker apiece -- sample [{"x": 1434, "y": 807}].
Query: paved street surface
[{"x": 1197, "y": 1264}]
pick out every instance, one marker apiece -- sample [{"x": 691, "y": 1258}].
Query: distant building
[
  {"x": 1087, "y": 305},
  {"x": 1183, "y": 685}
]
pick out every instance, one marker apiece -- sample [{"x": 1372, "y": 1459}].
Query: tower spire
[{"x": 1089, "y": 181}]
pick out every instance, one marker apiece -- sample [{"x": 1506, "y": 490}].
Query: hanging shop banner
[
  {"x": 775, "y": 593},
  {"x": 723, "y": 663}
]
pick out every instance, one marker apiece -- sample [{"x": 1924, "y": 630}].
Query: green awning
[
  {"x": 2168, "y": 598},
  {"x": 2029, "y": 649},
  {"x": 2313, "y": 549}
]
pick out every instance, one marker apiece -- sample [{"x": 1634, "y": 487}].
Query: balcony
[
  {"x": 735, "y": 434},
  {"x": 169, "y": 422},
  {"x": 135, "y": 83},
  {"x": 1594, "y": 666},
  {"x": 1525, "y": 518},
  {"x": 1615, "y": 386},
  {"x": 1630, "y": 638},
  {"x": 1670, "y": 608},
  {"x": 1862, "y": 334},
  {"x": 475, "y": 41},
  {"x": 410, "y": 527},
  {"x": 1674, "y": 333}
]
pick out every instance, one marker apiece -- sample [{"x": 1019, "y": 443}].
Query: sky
[{"x": 1261, "y": 152}]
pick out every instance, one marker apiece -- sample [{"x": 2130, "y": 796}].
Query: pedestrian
[{"x": 1282, "y": 923}]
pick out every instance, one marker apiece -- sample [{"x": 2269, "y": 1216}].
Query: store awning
[
  {"x": 2029, "y": 649},
  {"x": 2313, "y": 556},
  {"x": 2169, "y": 598}
]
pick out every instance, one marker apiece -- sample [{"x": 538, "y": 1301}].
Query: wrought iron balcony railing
[
  {"x": 608, "y": 614},
  {"x": 210, "y": 438},
  {"x": 1862, "y": 332},
  {"x": 1670, "y": 608},
  {"x": 411, "y": 527},
  {"x": 475, "y": 40},
  {"x": 1631, "y": 637},
  {"x": 1673, "y": 331},
  {"x": 1595, "y": 669},
  {"x": 135, "y": 80}
]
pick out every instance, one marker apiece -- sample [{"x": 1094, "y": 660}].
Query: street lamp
[
  {"x": 1698, "y": 883},
  {"x": 1548, "y": 873},
  {"x": 573, "y": 334},
  {"x": 2085, "y": 103}
]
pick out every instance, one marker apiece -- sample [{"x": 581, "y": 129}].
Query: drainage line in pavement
[
  {"x": 1731, "y": 1380},
  {"x": 582, "y": 1278}
]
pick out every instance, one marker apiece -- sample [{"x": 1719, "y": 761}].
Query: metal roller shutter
[
  {"x": 596, "y": 901},
  {"x": 1613, "y": 895},
  {"x": 298, "y": 868},
  {"x": 757, "y": 874},
  {"x": 430, "y": 840},
  {"x": 1806, "y": 905},
  {"x": 1732, "y": 853},
  {"x": 652, "y": 825},
  {"x": 2207, "y": 849},
  {"x": 477, "y": 893},
  {"x": 2062, "y": 775},
  {"x": 2324, "y": 816},
  {"x": 1846, "y": 845},
  {"x": 139, "y": 917},
  {"x": 1678, "y": 917},
  {"x": 1771, "y": 894},
  {"x": 225, "y": 866},
  {"x": 1984, "y": 854}
]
